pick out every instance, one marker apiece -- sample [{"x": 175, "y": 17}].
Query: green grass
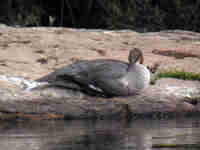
[
  {"x": 174, "y": 74},
  {"x": 153, "y": 79},
  {"x": 179, "y": 75}
]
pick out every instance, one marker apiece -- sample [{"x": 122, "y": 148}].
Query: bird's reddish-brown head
[{"x": 136, "y": 55}]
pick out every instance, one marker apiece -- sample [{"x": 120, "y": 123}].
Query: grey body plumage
[{"x": 104, "y": 76}]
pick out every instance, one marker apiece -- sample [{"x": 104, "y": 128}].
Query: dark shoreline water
[{"x": 99, "y": 134}]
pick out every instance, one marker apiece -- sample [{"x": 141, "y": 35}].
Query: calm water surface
[{"x": 98, "y": 135}]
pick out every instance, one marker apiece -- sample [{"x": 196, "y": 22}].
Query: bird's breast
[{"x": 137, "y": 78}]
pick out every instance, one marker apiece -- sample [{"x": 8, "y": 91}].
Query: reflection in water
[{"x": 97, "y": 135}]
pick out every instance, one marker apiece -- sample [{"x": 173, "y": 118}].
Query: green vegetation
[
  {"x": 134, "y": 14},
  {"x": 140, "y": 15},
  {"x": 179, "y": 75},
  {"x": 32, "y": 17},
  {"x": 153, "y": 79},
  {"x": 174, "y": 74}
]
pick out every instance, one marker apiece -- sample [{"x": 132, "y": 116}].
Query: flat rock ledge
[
  {"x": 168, "y": 97},
  {"x": 31, "y": 53}
]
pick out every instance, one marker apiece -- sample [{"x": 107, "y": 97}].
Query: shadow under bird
[{"x": 105, "y": 77}]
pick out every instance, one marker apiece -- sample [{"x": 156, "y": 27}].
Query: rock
[
  {"x": 158, "y": 100},
  {"x": 21, "y": 48}
]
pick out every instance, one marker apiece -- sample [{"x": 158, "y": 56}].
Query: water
[{"x": 98, "y": 135}]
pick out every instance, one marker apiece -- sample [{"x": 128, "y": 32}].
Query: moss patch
[
  {"x": 174, "y": 74},
  {"x": 179, "y": 75}
]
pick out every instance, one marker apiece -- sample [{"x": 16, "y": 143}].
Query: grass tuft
[{"x": 179, "y": 75}]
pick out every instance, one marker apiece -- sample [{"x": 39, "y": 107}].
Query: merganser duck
[{"x": 104, "y": 77}]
